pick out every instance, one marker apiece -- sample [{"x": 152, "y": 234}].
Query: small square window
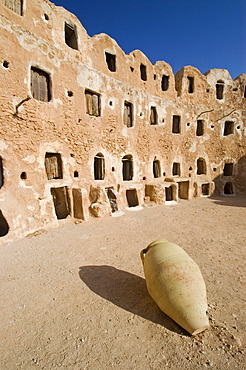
[
  {"x": 92, "y": 103},
  {"x": 111, "y": 61},
  {"x": 228, "y": 128}
]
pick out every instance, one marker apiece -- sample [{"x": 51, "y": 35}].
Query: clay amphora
[{"x": 176, "y": 284}]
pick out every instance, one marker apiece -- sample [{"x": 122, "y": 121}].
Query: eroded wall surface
[{"x": 87, "y": 130}]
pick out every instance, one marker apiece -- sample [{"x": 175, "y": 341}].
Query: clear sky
[{"x": 203, "y": 33}]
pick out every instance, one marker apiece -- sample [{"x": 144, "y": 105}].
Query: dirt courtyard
[{"x": 75, "y": 297}]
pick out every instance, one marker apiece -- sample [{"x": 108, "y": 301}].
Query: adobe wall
[{"x": 31, "y": 128}]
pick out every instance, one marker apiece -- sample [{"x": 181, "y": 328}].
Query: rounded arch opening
[
  {"x": 127, "y": 167},
  {"x": 201, "y": 166},
  {"x": 99, "y": 166}
]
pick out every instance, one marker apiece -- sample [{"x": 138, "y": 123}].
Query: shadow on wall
[
  {"x": 232, "y": 182},
  {"x": 126, "y": 291}
]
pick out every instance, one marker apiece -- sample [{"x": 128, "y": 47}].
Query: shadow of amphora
[{"x": 127, "y": 291}]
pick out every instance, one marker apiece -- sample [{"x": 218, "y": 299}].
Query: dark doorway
[
  {"x": 199, "y": 127},
  {"x": 176, "y": 169},
  {"x": 71, "y": 35},
  {"x": 112, "y": 198},
  {"x": 183, "y": 190},
  {"x": 169, "y": 193},
  {"x": 219, "y": 89},
  {"x": 143, "y": 72},
  {"x": 61, "y": 201},
  {"x": 127, "y": 169},
  {"x": 132, "y": 198},
  {"x": 228, "y": 128},
  {"x": 111, "y": 61},
  {"x": 176, "y": 125},
  {"x": 164, "y": 83},
  {"x": 205, "y": 189},
  {"x": 228, "y": 169},
  {"x": 190, "y": 84},
  {"x": 99, "y": 167},
  {"x": 228, "y": 188},
  {"x": 201, "y": 166},
  {"x": 153, "y": 116},
  {"x": 156, "y": 168}
]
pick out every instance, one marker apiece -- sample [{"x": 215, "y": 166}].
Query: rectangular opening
[
  {"x": 132, "y": 198},
  {"x": 61, "y": 201},
  {"x": 176, "y": 125},
  {"x": 71, "y": 35},
  {"x": 183, "y": 190},
  {"x": 77, "y": 204},
  {"x": 200, "y": 127},
  {"x": 40, "y": 84},
  {"x": 228, "y": 188},
  {"x": 99, "y": 167},
  {"x": 190, "y": 84},
  {"x": 111, "y": 61},
  {"x": 128, "y": 114},
  {"x": 143, "y": 72},
  {"x": 92, "y": 103},
  {"x": 153, "y": 116},
  {"x": 205, "y": 189},
  {"x": 112, "y": 198},
  {"x": 53, "y": 165},
  {"x": 169, "y": 193},
  {"x": 201, "y": 166},
  {"x": 164, "y": 83},
  {"x": 244, "y": 95},
  {"x": 127, "y": 167},
  {"x": 219, "y": 90},
  {"x": 228, "y": 128},
  {"x": 15, "y": 5},
  {"x": 176, "y": 169},
  {"x": 228, "y": 169},
  {"x": 156, "y": 168}
]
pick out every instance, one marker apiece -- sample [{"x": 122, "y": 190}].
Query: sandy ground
[{"x": 75, "y": 298}]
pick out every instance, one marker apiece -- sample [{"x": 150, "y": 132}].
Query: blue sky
[{"x": 203, "y": 33}]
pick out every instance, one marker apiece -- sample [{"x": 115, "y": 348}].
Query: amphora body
[{"x": 176, "y": 284}]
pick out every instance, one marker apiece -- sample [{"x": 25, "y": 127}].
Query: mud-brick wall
[{"x": 86, "y": 129}]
